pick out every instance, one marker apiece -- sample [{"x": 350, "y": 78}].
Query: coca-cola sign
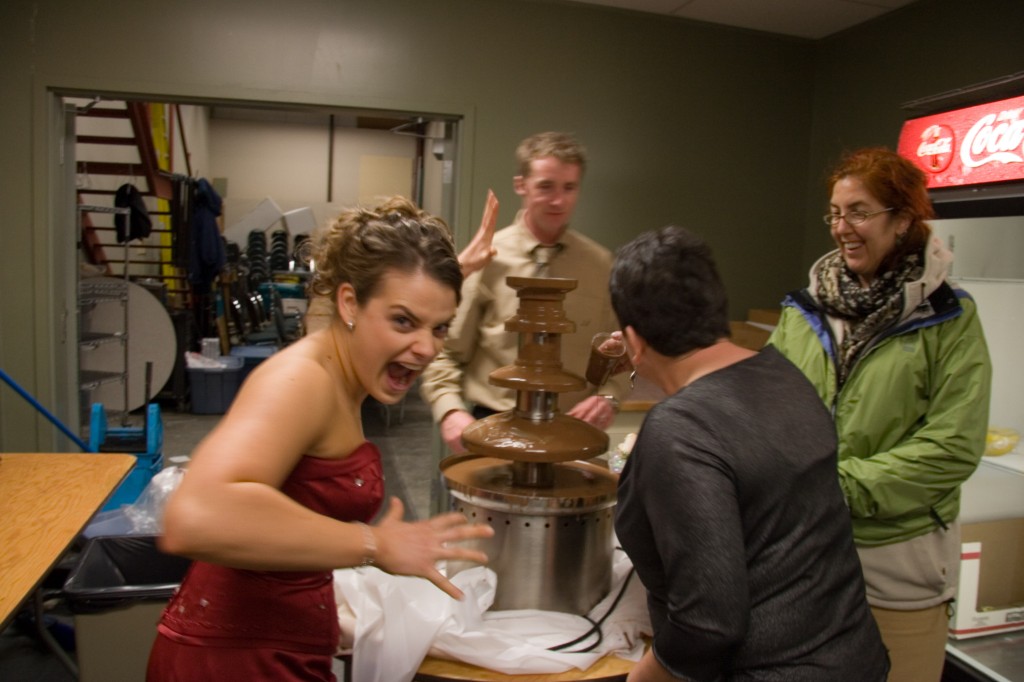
[{"x": 971, "y": 146}]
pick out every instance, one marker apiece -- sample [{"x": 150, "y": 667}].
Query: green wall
[{"x": 715, "y": 128}]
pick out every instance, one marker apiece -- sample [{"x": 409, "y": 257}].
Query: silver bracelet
[
  {"x": 613, "y": 401},
  {"x": 369, "y": 544}
]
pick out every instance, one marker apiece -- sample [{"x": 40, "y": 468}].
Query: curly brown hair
[{"x": 362, "y": 244}]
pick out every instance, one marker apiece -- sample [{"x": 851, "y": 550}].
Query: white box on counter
[{"x": 990, "y": 598}]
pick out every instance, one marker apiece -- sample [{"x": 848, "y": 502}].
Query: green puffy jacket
[{"x": 912, "y": 415}]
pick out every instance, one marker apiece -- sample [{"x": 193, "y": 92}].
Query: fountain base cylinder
[{"x": 552, "y": 546}]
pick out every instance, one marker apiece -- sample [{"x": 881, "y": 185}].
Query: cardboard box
[
  {"x": 294, "y": 306},
  {"x": 748, "y": 335},
  {"x": 763, "y": 316},
  {"x": 990, "y": 598}
]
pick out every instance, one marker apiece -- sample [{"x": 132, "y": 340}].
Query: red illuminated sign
[{"x": 972, "y": 146}]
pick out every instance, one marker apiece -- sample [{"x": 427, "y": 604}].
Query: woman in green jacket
[{"x": 898, "y": 354}]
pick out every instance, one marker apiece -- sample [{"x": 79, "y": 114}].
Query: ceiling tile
[
  {"x": 803, "y": 18},
  {"x": 812, "y": 19}
]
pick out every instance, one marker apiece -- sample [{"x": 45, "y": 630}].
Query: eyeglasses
[{"x": 851, "y": 217}]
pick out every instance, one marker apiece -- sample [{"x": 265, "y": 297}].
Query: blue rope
[{"x": 46, "y": 413}]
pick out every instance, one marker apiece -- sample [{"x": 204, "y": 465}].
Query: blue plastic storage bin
[
  {"x": 251, "y": 356},
  {"x": 213, "y": 388}
]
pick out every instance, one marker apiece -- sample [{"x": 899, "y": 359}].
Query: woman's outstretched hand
[{"x": 415, "y": 548}]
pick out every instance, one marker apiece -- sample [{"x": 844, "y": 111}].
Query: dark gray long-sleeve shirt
[{"x": 731, "y": 511}]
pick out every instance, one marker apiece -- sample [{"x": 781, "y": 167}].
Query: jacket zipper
[{"x": 808, "y": 305}]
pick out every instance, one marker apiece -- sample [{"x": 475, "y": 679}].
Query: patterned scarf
[{"x": 866, "y": 311}]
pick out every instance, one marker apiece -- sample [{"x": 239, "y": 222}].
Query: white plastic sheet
[
  {"x": 145, "y": 516},
  {"x": 395, "y": 621},
  {"x": 147, "y": 512}
]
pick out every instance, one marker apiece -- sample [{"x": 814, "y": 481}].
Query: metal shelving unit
[{"x": 94, "y": 293}]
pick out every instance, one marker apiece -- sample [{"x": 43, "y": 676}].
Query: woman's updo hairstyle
[{"x": 361, "y": 244}]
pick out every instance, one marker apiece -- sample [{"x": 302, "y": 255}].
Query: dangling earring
[
  {"x": 351, "y": 326},
  {"x": 632, "y": 379}
]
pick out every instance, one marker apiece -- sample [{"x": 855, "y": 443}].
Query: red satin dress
[{"x": 231, "y": 624}]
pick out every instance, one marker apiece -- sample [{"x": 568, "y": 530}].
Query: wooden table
[
  {"x": 607, "y": 669},
  {"x": 46, "y": 499}
]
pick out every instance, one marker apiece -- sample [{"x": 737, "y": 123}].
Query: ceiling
[{"x": 812, "y": 19}]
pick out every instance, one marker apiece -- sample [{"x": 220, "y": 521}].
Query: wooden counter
[
  {"x": 46, "y": 499},
  {"x": 607, "y": 669}
]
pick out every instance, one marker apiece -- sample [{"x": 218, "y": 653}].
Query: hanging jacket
[
  {"x": 138, "y": 222},
  {"x": 913, "y": 412},
  {"x": 207, "y": 245}
]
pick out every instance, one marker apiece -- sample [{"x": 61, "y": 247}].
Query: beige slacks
[{"x": 916, "y": 641}]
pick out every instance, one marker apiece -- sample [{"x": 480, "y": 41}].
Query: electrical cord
[{"x": 595, "y": 626}]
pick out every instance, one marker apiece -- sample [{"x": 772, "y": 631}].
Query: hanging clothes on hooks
[
  {"x": 139, "y": 224},
  {"x": 208, "y": 254}
]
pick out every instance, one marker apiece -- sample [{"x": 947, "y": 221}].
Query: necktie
[{"x": 542, "y": 257}]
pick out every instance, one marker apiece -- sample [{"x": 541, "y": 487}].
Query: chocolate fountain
[{"x": 525, "y": 476}]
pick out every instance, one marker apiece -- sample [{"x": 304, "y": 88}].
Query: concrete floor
[{"x": 404, "y": 435}]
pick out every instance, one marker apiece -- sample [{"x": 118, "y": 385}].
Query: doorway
[{"x": 303, "y": 161}]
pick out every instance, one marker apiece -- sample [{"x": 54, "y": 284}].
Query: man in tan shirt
[{"x": 538, "y": 244}]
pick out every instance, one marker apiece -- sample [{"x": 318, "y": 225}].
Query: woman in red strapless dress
[{"x": 279, "y": 494}]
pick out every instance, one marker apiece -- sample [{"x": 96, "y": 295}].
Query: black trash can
[{"x": 116, "y": 592}]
